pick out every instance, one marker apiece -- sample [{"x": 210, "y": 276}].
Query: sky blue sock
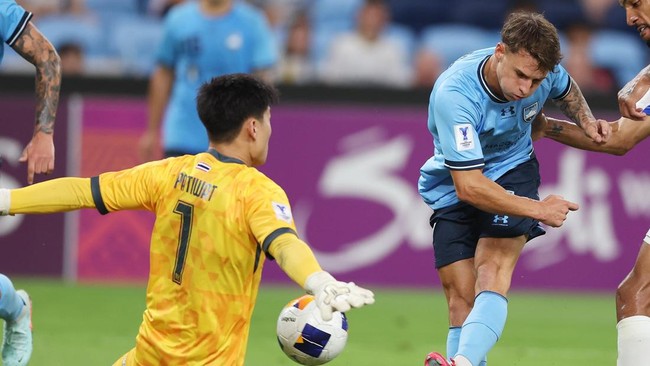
[
  {"x": 10, "y": 303},
  {"x": 483, "y": 326},
  {"x": 453, "y": 337},
  {"x": 452, "y": 340}
]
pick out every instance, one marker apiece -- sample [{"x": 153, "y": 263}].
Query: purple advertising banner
[
  {"x": 351, "y": 173},
  {"x": 30, "y": 244}
]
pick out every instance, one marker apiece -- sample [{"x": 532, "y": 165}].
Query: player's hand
[
  {"x": 632, "y": 98},
  {"x": 598, "y": 130},
  {"x": 332, "y": 295},
  {"x": 556, "y": 209},
  {"x": 39, "y": 155}
]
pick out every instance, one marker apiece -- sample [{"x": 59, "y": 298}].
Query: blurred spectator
[
  {"x": 579, "y": 63},
  {"x": 201, "y": 40},
  {"x": 427, "y": 67},
  {"x": 42, "y": 8},
  {"x": 367, "y": 56},
  {"x": 596, "y": 11},
  {"x": 72, "y": 59},
  {"x": 296, "y": 66}
]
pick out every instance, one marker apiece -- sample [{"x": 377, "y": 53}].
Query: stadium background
[{"x": 348, "y": 159}]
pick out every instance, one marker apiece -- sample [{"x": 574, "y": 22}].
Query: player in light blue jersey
[
  {"x": 17, "y": 31},
  {"x": 201, "y": 40},
  {"x": 482, "y": 181}
]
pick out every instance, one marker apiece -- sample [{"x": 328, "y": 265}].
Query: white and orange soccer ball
[{"x": 305, "y": 337}]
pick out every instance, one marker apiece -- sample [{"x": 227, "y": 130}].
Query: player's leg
[
  {"x": 633, "y": 311},
  {"x": 494, "y": 262},
  {"x": 16, "y": 310},
  {"x": 454, "y": 242},
  {"x": 126, "y": 360},
  {"x": 502, "y": 240}
]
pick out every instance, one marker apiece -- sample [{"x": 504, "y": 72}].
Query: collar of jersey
[
  {"x": 223, "y": 158},
  {"x": 484, "y": 83}
]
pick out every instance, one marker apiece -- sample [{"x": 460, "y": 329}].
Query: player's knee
[
  {"x": 459, "y": 308},
  {"x": 494, "y": 276},
  {"x": 633, "y": 295}
]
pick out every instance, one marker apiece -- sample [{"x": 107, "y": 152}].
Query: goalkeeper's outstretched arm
[
  {"x": 56, "y": 195},
  {"x": 298, "y": 261}
]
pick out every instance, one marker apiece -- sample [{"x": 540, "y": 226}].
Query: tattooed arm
[
  {"x": 576, "y": 108},
  {"x": 35, "y": 48},
  {"x": 625, "y": 134}
]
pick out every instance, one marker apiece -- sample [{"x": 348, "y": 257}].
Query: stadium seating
[
  {"x": 135, "y": 41},
  {"x": 443, "y": 40},
  {"x": 83, "y": 31}
]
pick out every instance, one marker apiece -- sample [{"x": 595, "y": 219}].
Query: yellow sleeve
[
  {"x": 56, "y": 195},
  {"x": 294, "y": 257}
]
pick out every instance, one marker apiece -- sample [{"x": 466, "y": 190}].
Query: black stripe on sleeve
[
  {"x": 19, "y": 28},
  {"x": 97, "y": 195},
  {"x": 465, "y": 165},
  {"x": 565, "y": 92},
  {"x": 269, "y": 239},
  {"x": 258, "y": 254}
]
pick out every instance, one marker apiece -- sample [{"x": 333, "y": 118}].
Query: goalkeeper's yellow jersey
[{"x": 215, "y": 220}]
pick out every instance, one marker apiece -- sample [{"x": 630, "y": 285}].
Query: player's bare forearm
[
  {"x": 575, "y": 106},
  {"x": 160, "y": 87},
  {"x": 626, "y": 134},
  {"x": 36, "y": 49}
]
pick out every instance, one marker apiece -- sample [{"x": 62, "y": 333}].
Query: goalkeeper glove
[{"x": 332, "y": 295}]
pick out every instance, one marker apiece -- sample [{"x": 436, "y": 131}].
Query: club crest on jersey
[
  {"x": 531, "y": 111},
  {"x": 203, "y": 166},
  {"x": 282, "y": 212},
  {"x": 464, "y": 137}
]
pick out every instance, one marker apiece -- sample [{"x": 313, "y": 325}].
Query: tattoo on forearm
[
  {"x": 36, "y": 49},
  {"x": 555, "y": 130},
  {"x": 575, "y": 106}
]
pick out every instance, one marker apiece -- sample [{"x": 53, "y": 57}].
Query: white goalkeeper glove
[
  {"x": 5, "y": 201},
  {"x": 332, "y": 295}
]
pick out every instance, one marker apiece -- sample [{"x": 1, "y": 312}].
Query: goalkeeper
[{"x": 217, "y": 220}]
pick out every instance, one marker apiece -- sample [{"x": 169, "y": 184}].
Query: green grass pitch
[{"x": 95, "y": 324}]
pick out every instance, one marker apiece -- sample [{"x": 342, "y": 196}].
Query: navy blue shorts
[{"x": 457, "y": 228}]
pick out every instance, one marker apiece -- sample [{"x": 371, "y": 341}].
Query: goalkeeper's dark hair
[
  {"x": 531, "y": 32},
  {"x": 226, "y": 102}
]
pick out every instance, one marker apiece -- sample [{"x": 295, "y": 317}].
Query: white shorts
[{"x": 647, "y": 237}]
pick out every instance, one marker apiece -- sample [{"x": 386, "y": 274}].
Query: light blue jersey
[
  {"x": 199, "y": 47},
  {"x": 473, "y": 128},
  {"x": 13, "y": 19}
]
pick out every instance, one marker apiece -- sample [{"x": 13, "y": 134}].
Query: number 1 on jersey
[{"x": 186, "y": 211}]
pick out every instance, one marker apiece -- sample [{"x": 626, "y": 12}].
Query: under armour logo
[
  {"x": 503, "y": 220},
  {"x": 508, "y": 112}
]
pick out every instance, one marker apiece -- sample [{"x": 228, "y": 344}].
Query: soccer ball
[{"x": 305, "y": 337}]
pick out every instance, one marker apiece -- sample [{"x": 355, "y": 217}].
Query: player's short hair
[
  {"x": 531, "y": 32},
  {"x": 226, "y": 102}
]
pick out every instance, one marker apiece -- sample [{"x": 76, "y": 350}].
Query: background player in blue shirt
[
  {"x": 24, "y": 38},
  {"x": 483, "y": 179},
  {"x": 201, "y": 40}
]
